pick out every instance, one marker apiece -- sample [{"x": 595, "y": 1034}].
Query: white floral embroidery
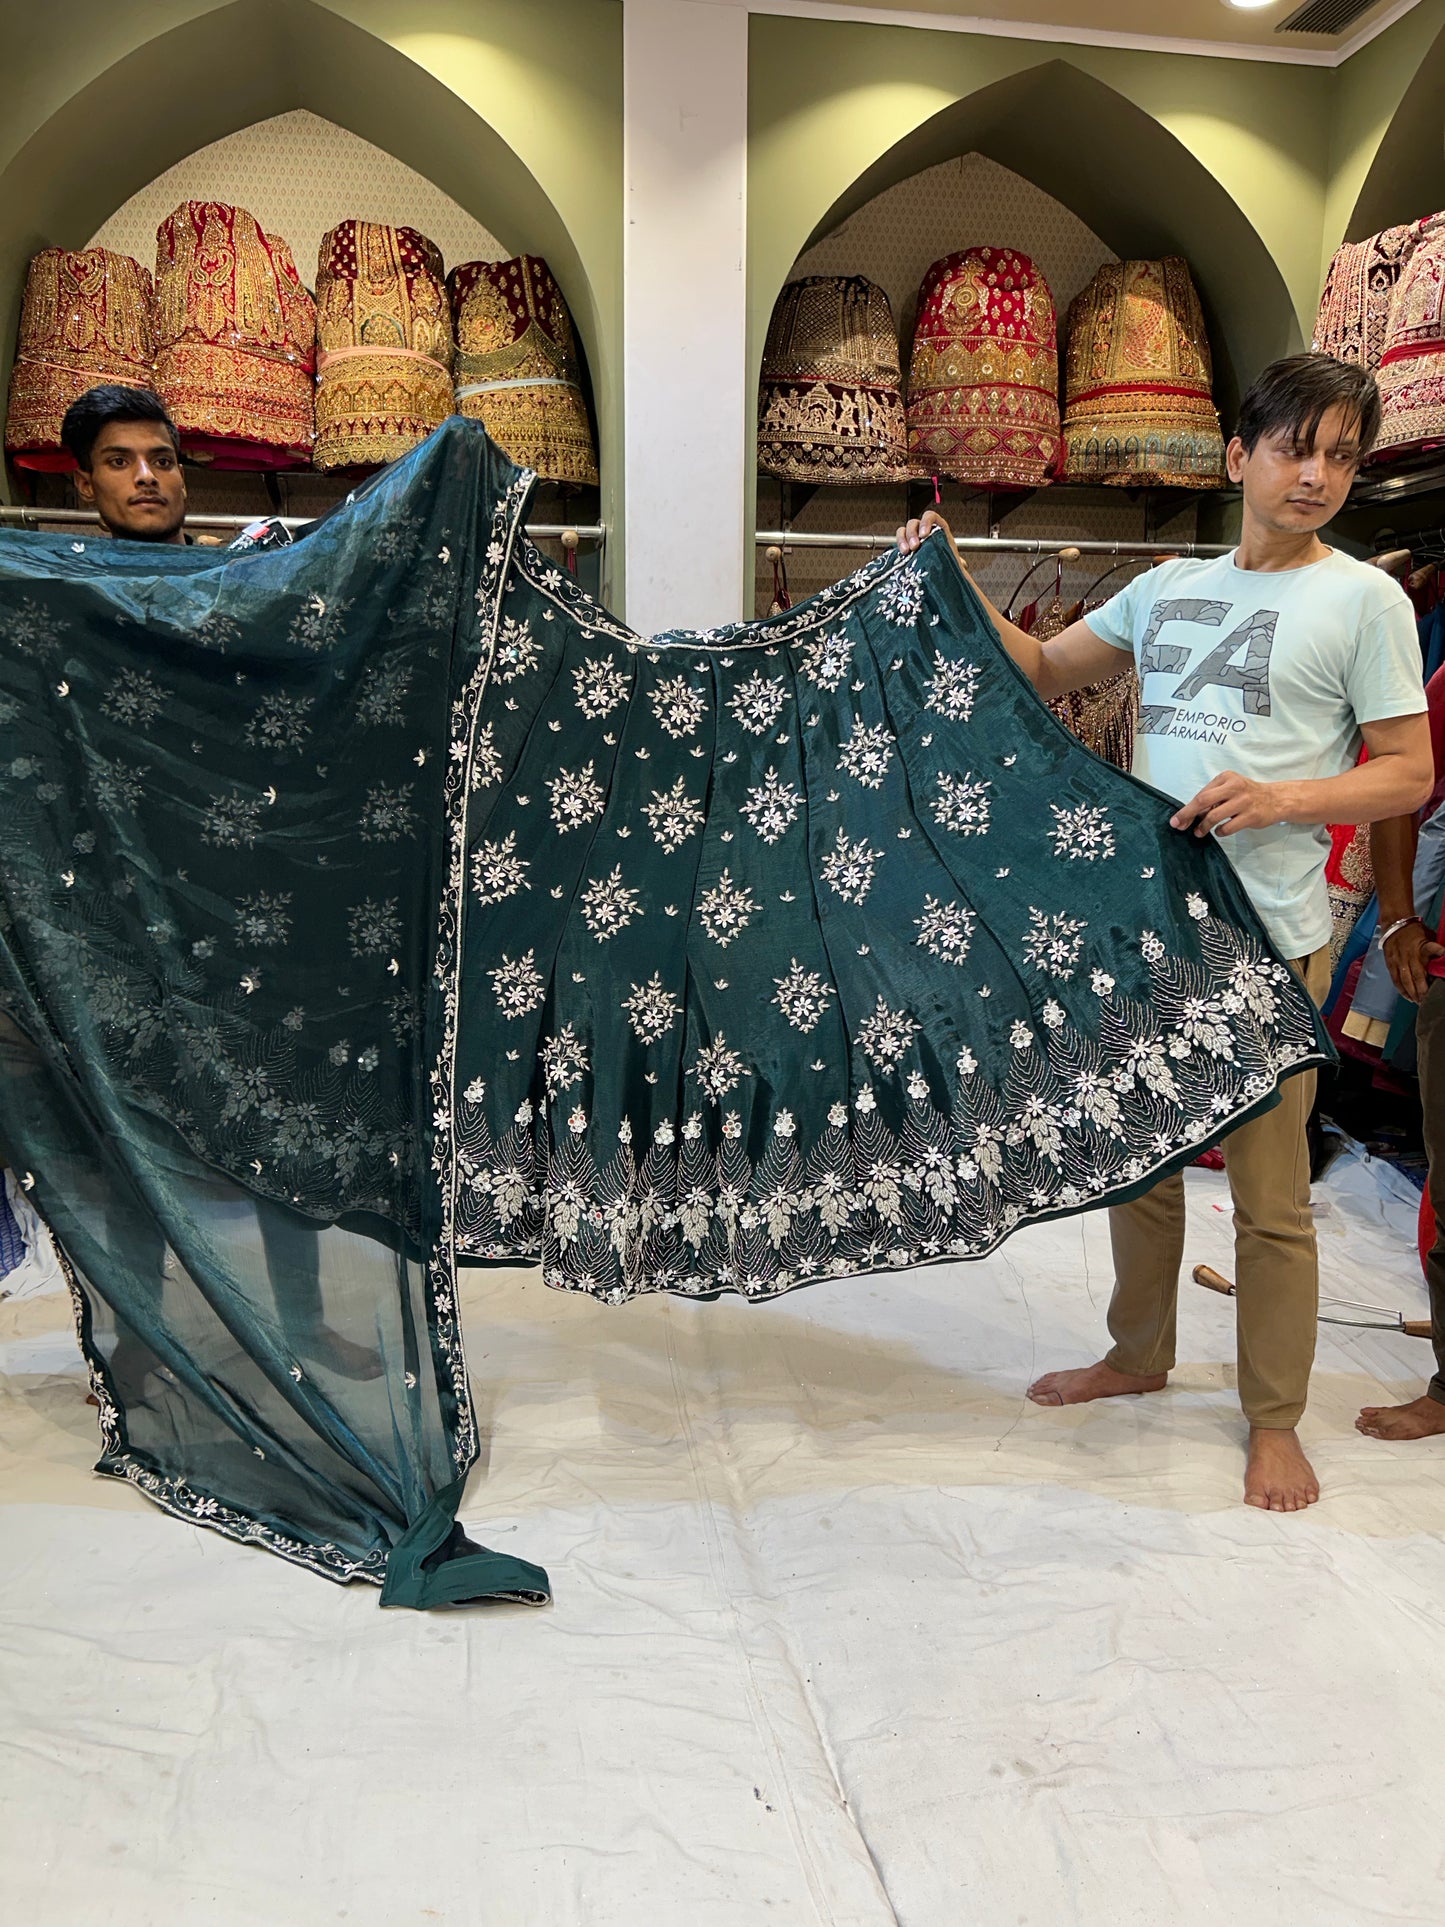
[
  {"x": 718, "y": 1069},
  {"x": 373, "y": 928},
  {"x": 679, "y": 706},
  {"x": 564, "y": 1060},
  {"x": 802, "y": 996},
  {"x": 1053, "y": 942},
  {"x": 134, "y": 698},
  {"x": 486, "y": 763},
  {"x": 886, "y": 1035},
  {"x": 119, "y": 787},
  {"x": 867, "y": 754},
  {"x": 757, "y": 703},
  {"x": 264, "y": 919},
  {"x": 946, "y": 929},
  {"x": 518, "y": 650},
  {"x": 1252, "y": 981},
  {"x": 1082, "y": 832},
  {"x": 1204, "y": 1024},
  {"x": 953, "y": 688},
  {"x": 673, "y": 815},
  {"x": 600, "y": 686},
  {"x": 609, "y": 905},
  {"x": 1020, "y": 1036},
  {"x": 279, "y": 723},
  {"x": 497, "y": 871},
  {"x": 316, "y": 625},
  {"x": 828, "y": 660},
  {"x": 518, "y": 985},
  {"x": 1143, "y": 1058},
  {"x": 651, "y": 1009},
  {"x": 233, "y": 821},
  {"x": 900, "y": 600},
  {"x": 576, "y": 797},
  {"x": 963, "y": 803},
  {"x": 849, "y": 867},
  {"x": 381, "y": 697},
  {"x": 387, "y": 814},
  {"x": 1198, "y": 908},
  {"x": 772, "y": 806},
  {"x": 726, "y": 910},
  {"x": 1151, "y": 946},
  {"x": 1101, "y": 983}
]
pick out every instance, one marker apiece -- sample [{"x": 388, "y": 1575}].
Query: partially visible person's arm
[
  {"x": 1411, "y": 949},
  {"x": 1397, "y": 779},
  {"x": 1073, "y": 659}
]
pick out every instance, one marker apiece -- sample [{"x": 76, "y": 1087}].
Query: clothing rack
[
  {"x": 37, "y": 518},
  {"x": 990, "y": 544}
]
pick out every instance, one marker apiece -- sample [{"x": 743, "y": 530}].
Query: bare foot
[
  {"x": 1088, "y": 1382},
  {"x": 1422, "y": 1418},
  {"x": 1278, "y": 1477}
]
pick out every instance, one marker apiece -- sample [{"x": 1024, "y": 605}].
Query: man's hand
[
  {"x": 914, "y": 534},
  {"x": 1229, "y": 803},
  {"x": 1409, "y": 954}
]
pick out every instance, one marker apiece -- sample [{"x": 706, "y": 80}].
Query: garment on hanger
[
  {"x": 517, "y": 367},
  {"x": 384, "y": 379},
  {"x": 1102, "y": 715},
  {"x": 1138, "y": 402},
  {"x": 379, "y": 901},
  {"x": 1412, "y": 367},
  {"x": 983, "y": 382},
  {"x": 830, "y": 408},
  {"x": 87, "y": 318},
  {"x": 1354, "y": 313},
  {"x": 235, "y": 340}
]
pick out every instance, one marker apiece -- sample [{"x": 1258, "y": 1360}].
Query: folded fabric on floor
[{"x": 379, "y": 900}]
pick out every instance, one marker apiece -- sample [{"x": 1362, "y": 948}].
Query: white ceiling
[{"x": 1151, "y": 22}]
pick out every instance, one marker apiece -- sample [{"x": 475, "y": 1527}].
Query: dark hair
[
  {"x": 1293, "y": 397},
  {"x": 97, "y": 408}
]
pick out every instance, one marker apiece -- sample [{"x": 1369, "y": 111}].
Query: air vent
[{"x": 1325, "y": 16}]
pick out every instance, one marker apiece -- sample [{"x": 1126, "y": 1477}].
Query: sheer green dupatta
[{"x": 232, "y": 838}]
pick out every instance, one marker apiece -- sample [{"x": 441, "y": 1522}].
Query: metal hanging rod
[
  {"x": 33, "y": 518},
  {"x": 990, "y": 544}
]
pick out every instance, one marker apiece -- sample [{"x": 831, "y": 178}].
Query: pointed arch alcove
[
  {"x": 1135, "y": 184},
  {"x": 530, "y": 152}
]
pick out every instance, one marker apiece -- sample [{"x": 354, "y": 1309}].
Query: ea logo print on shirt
[{"x": 1252, "y": 641}]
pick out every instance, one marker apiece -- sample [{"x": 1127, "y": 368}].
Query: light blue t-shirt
[{"x": 1270, "y": 673}]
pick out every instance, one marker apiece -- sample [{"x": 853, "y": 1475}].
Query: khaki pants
[{"x": 1276, "y": 1270}]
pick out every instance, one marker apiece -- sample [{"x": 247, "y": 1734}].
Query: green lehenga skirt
[{"x": 379, "y": 902}]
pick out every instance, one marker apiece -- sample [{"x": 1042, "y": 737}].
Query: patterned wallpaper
[
  {"x": 300, "y": 175},
  {"x": 893, "y": 240},
  {"x": 972, "y": 202}
]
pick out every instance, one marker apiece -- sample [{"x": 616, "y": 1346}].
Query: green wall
[{"x": 524, "y": 130}]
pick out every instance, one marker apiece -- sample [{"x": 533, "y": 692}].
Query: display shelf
[{"x": 1401, "y": 487}]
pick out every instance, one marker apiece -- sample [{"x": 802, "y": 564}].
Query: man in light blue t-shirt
[{"x": 1261, "y": 672}]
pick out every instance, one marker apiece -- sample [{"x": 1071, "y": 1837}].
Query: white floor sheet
[{"x": 845, "y": 1632}]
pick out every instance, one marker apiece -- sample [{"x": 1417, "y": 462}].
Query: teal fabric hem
[{"x": 435, "y": 1564}]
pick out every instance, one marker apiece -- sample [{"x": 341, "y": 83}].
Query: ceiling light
[{"x": 1250, "y": 6}]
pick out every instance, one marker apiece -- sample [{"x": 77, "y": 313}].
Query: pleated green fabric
[{"x": 379, "y": 903}]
